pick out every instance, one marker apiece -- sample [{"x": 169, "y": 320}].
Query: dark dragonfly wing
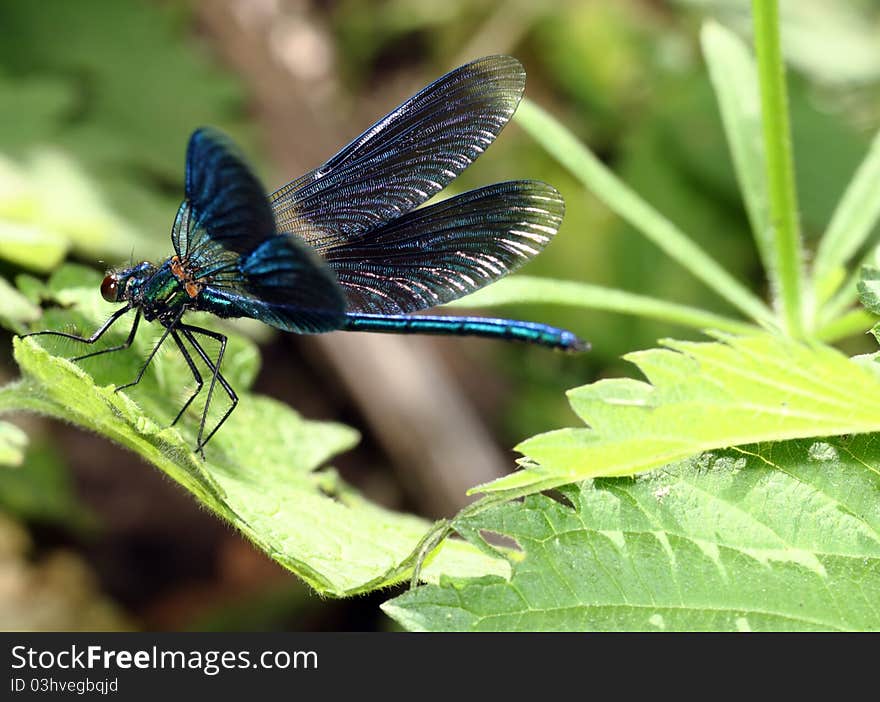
[
  {"x": 405, "y": 157},
  {"x": 225, "y": 204},
  {"x": 225, "y": 235},
  {"x": 441, "y": 252},
  {"x": 282, "y": 283}
]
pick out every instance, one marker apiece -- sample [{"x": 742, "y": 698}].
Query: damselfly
[{"x": 344, "y": 247}]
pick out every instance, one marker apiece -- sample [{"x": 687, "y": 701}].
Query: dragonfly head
[
  {"x": 123, "y": 285},
  {"x": 110, "y": 287}
]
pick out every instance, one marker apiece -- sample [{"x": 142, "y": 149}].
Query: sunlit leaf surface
[{"x": 781, "y": 536}]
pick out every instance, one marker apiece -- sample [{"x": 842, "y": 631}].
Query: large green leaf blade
[
  {"x": 703, "y": 396},
  {"x": 782, "y": 536}
]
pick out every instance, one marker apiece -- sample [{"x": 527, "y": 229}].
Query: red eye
[{"x": 108, "y": 288}]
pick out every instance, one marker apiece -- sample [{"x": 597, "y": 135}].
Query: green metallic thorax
[
  {"x": 157, "y": 291},
  {"x": 163, "y": 287}
]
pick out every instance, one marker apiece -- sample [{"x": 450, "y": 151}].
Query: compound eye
[{"x": 108, "y": 288}]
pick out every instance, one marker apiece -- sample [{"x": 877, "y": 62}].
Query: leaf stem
[{"x": 779, "y": 165}]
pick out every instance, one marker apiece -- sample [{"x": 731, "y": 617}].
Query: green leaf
[
  {"x": 526, "y": 289},
  {"x": 735, "y": 79},
  {"x": 852, "y": 322},
  {"x": 780, "y": 536},
  {"x": 578, "y": 159},
  {"x": 702, "y": 396},
  {"x": 852, "y": 223},
  {"x": 848, "y": 291},
  {"x": 264, "y": 482}
]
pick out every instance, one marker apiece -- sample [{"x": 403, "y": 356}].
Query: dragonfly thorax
[{"x": 158, "y": 291}]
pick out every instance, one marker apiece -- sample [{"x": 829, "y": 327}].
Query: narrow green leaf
[
  {"x": 779, "y": 162},
  {"x": 735, "y": 79},
  {"x": 840, "y": 301},
  {"x": 527, "y": 289},
  {"x": 563, "y": 146},
  {"x": 780, "y": 536},
  {"x": 852, "y": 222},
  {"x": 702, "y": 396},
  {"x": 847, "y": 292},
  {"x": 265, "y": 483},
  {"x": 855, "y": 321}
]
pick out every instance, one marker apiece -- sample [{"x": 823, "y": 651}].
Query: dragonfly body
[
  {"x": 162, "y": 292},
  {"x": 346, "y": 246},
  {"x": 507, "y": 329}
]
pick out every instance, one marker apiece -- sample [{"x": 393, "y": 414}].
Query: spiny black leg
[
  {"x": 98, "y": 333},
  {"x": 124, "y": 345},
  {"x": 195, "y": 372},
  {"x": 217, "y": 377},
  {"x": 164, "y": 336},
  {"x": 188, "y": 331}
]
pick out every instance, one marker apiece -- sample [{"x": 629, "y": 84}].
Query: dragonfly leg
[
  {"x": 152, "y": 355},
  {"x": 193, "y": 370},
  {"x": 97, "y": 334},
  {"x": 217, "y": 377},
  {"x": 119, "y": 347}
]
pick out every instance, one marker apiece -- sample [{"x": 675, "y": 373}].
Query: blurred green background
[{"x": 98, "y": 99}]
